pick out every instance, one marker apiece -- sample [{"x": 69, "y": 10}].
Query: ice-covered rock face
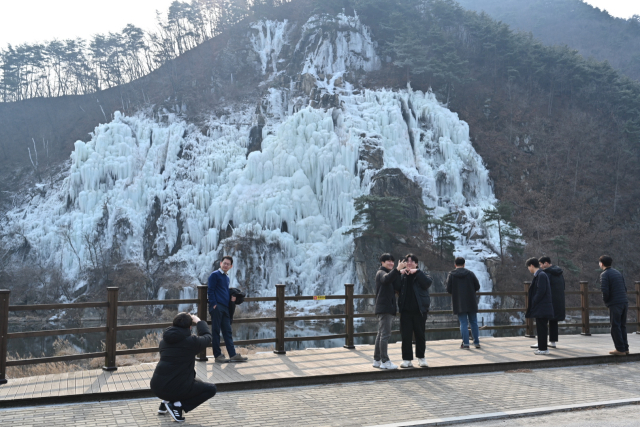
[{"x": 168, "y": 190}]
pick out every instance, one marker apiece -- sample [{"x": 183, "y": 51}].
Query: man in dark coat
[
  {"x": 462, "y": 284},
  {"x": 414, "y": 302},
  {"x": 385, "y": 308},
  {"x": 540, "y": 303},
  {"x": 556, "y": 280},
  {"x": 614, "y": 294},
  {"x": 174, "y": 379}
]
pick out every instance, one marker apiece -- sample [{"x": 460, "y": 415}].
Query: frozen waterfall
[{"x": 287, "y": 205}]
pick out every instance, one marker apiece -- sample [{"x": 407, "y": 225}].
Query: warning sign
[{"x": 318, "y": 297}]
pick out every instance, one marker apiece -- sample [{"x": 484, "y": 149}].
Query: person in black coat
[
  {"x": 614, "y": 294},
  {"x": 414, "y": 302},
  {"x": 556, "y": 280},
  {"x": 540, "y": 303},
  {"x": 174, "y": 379},
  {"x": 385, "y": 308},
  {"x": 462, "y": 284}
]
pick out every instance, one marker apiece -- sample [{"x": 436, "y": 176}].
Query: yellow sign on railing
[{"x": 318, "y": 297}]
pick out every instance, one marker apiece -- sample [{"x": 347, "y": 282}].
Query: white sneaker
[
  {"x": 388, "y": 365},
  {"x": 541, "y": 352},
  {"x": 552, "y": 344},
  {"x": 534, "y": 346},
  {"x": 423, "y": 363},
  {"x": 406, "y": 364},
  {"x": 377, "y": 363}
]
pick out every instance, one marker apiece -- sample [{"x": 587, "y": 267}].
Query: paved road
[
  {"x": 623, "y": 416},
  {"x": 362, "y": 404}
]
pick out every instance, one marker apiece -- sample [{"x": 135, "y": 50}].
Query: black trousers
[
  {"x": 553, "y": 330},
  {"x": 412, "y": 323},
  {"x": 618, "y": 317},
  {"x": 542, "y": 327},
  {"x": 200, "y": 393}
]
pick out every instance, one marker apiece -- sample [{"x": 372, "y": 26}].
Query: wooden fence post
[
  {"x": 4, "y": 330},
  {"x": 584, "y": 304},
  {"x": 112, "y": 330},
  {"x": 638, "y": 308},
  {"x": 529, "y": 332},
  {"x": 202, "y": 314},
  {"x": 280, "y": 320},
  {"x": 348, "y": 311}
]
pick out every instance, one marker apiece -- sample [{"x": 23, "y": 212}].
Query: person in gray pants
[{"x": 385, "y": 308}]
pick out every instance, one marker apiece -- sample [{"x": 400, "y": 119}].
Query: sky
[{"x": 30, "y": 21}]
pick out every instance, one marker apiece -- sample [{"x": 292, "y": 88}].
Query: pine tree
[
  {"x": 445, "y": 227},
  {"x": 379, "y": 215},
  {"x": 500, "y": 217},
  {"x": 561, "y": 249}
]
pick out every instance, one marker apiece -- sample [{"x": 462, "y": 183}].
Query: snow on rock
[{"x": 282, "y": 211}]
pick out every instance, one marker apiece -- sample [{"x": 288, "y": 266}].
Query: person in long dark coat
[
  {"x": 462, "y": 284},
  {"x": 556, "y": 279},
  {"x": 540, "y": 303},
  {"x": 174, "y": 379},
  {"x": 614, "y": 295},
  {"x": 414, "y": 302}
]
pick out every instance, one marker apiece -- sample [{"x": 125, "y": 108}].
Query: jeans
[
  {"x": 412, "y": 323},
  {"x": 220, "y": 320},
  {"x": 382, "y": 339},
  {"x": 465, "y": 319},
  {"x": 618, "y": 317},
  {"x": 542, "y": 328},
  {"x": 200, "y": 393},
  {"x": 553, "y": 330}
]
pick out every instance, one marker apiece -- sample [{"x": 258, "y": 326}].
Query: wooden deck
[{"x": 322, "y": 365}]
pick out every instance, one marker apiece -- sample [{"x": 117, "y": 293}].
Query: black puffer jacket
[
  {"x": 556, "y": 280},
  {"x": 462, "y": 284},
  {"x": 174, "y": 375},
  {"x": 420, "y": 283},
  {"x": 614, "y": 289},
  {"x": 385, "y": 291},
  {"x": 540, "y": 305}
]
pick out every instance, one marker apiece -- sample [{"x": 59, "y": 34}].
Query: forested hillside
[
  {"x": 593, "y": 32},
  {"x": 559, "y": 134}
]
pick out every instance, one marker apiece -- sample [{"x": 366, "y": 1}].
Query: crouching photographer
[{"x": 174, "y": 379}]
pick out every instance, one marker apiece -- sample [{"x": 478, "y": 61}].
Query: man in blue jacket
[
  {"x": 614, "y": 294},
  {"x": 219, "y": 299},
  {"x": 540, "y": 303}
]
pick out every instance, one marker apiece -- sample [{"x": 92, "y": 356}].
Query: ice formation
[{"x": 292, "y": 201}]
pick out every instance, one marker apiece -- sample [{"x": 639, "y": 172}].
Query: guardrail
[{"x": 111, "y": 328}]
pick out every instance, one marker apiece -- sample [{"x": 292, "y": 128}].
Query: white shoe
[
  {"x": 423, "y": 363},
  {"x": 406, "y": 364},
  {"x": 388, "y": 365},
  {"x": 541, "y": 352},
  {"x": 552, "y": 344},
  {"x": 377, "y": 363},
  {"x": 534, "y": 346}
]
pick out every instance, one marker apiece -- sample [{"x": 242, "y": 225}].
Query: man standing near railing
[
  {"x": 556, "y": 279},
  {"x": 540, "y": 304},
  {"x": 219, "y": 299},
  {"x": 462, "y": 284},
  {"x": 385, "y": 308},
  {"x": 614, "y": 294},
  {"x": 174, "y": 379}
]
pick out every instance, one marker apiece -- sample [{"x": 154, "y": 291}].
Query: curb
[
  {"x": 543, "y": 363},
  {"x": 512, "y": 414}
]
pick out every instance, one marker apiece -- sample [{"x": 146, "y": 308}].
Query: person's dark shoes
[
  {"x": 477, "y": 345},
  {"x": 618, "y": 353},
  {"x": 463, "y": 346},
  {"x": 238, "y": 358},
  {"x": 162, "y": 409},
  {"x": 175, "y": 412},
  {"x": 221, "y": 359}
]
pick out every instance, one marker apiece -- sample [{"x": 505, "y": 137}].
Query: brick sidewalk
[{"x": 365, "y": 403}]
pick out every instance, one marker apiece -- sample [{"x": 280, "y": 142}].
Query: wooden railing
[{"x": 111, "y": 328}]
